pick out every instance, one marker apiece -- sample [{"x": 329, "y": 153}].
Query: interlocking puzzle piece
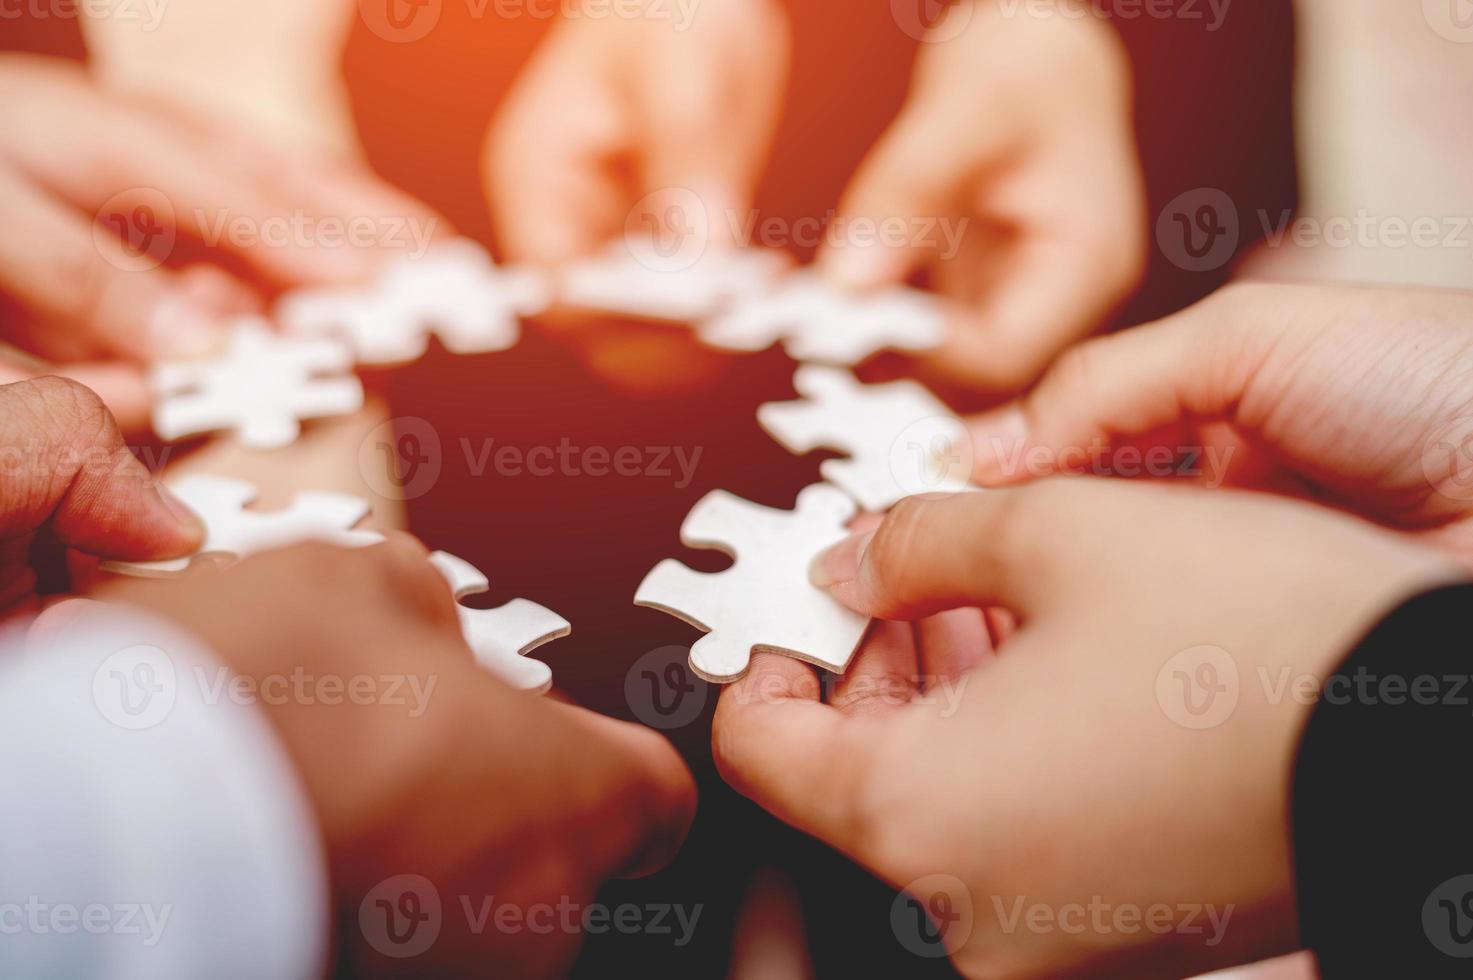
[
  {"x": 900, "y": 439},
  {"x": 816, "y": 321},
  {"x": 764, "y": 603},
  {"x": 618, "y": 282},
  {"x": 454, "y": 291},
  {"x": 261, "y": 388},
  {"x": 501, "y": 637},
  {"x": 232, "y": 531}
]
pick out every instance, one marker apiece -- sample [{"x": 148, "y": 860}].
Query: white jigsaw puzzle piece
[
  {"x": 233, "y": 531},
  {"x": 764, "y": 603},
  {"x": 261, "y": 388},
  {"x": 501, "y": 637},
  {"x": 900, "y": 439},
  {"x": 618, "y": 282},
  {"x": 454, "y": 291},
  {"x": 816, "y": 321}
]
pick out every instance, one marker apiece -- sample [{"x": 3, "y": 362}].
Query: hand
[
  {"x": 69, "y": 480},
  {"x": 480, "y": 789},
  {"x": 1354, "y": 397},
  {"x": 1018, "y": 138},
  {"x": 1069, "y": 769},
  {"x": 274, "y": 65},
  {"x": 96, "y": 188},
  {"x": 596, "y": 138}
]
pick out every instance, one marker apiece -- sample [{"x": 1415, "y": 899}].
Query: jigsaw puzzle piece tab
[
  {"x": 501, "y": 637},
  {"x": 764, "y": 602},
  {"x": 819, "y": 322},
  {"x": 900, "y": 439},
  {"x": 618, "y": 282},
  {"x": 260, "y": 389},
  {"x": 233, "y": 531}
]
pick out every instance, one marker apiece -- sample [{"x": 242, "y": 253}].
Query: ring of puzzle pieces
[
  {"x": 261, "y": 388},
  {"x": 232, "y": 531},
  {"x": 764, "y": 603},
  {"x": 454, "y": 291},
  {"x": 900, "y": 439},
  {"x": 818, "y": 322},
  {"x": 502, "y": 637},
  {"x": 616, "y": 281}
]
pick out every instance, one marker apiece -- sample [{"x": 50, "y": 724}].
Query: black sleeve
[{"x": 1383, "y": 829}]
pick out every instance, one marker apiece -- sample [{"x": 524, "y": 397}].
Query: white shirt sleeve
[{"x": 150, "y": 825}]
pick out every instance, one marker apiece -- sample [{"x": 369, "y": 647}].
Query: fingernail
[
  {"x": 187, "y": 519},
  {"x": 840, "y": 564},
  {"x": 863, "y": 266},
  {"x": 181, "y": 328},
  {"x": 998, "y": 442}
]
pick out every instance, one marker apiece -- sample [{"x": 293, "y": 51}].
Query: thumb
[
  {"x": 914, "y": 171},
  {"x": 1193, "y": 366},
  {"x": 935, "y": 553},
  {"x": 66, "y": 467}
]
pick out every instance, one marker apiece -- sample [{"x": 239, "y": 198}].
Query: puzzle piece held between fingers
[
  {"x": 501, "y": 637},
  {"x": 764, "y": 603},
  {"x": 454, "y": 291},
  {"x": 900, "y": 439},
  {"x": 233, "y": 531},
  {"x": 819, "y": 322},
  {"x": 261, "y": 388},
  {"x": 618, "y": 282}
]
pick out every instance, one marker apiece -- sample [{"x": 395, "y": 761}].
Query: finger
[
  {"x": 1195, "y": 365},
  {"x": 710, "y": 134},
  {"x": 547, "y": 163},
  {"x": 969, "y": 550},
  {"x": 917, "y": 170},
  {"x": 801, "y": 760},
  {"x": 1047, "y": 294},
  {"x": 884, "y": 675},
  {"x": 67, "y": 467},
  {"x": 123, "y": 388},
  {"x": 243, "y": 197},
  {"x": 652, "y": 792},
  {"x": 60, "y": 272},
  {"x": 952, "y": 644}
]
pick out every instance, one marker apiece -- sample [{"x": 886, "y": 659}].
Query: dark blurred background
[{"x": 1213, "y": 110}]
